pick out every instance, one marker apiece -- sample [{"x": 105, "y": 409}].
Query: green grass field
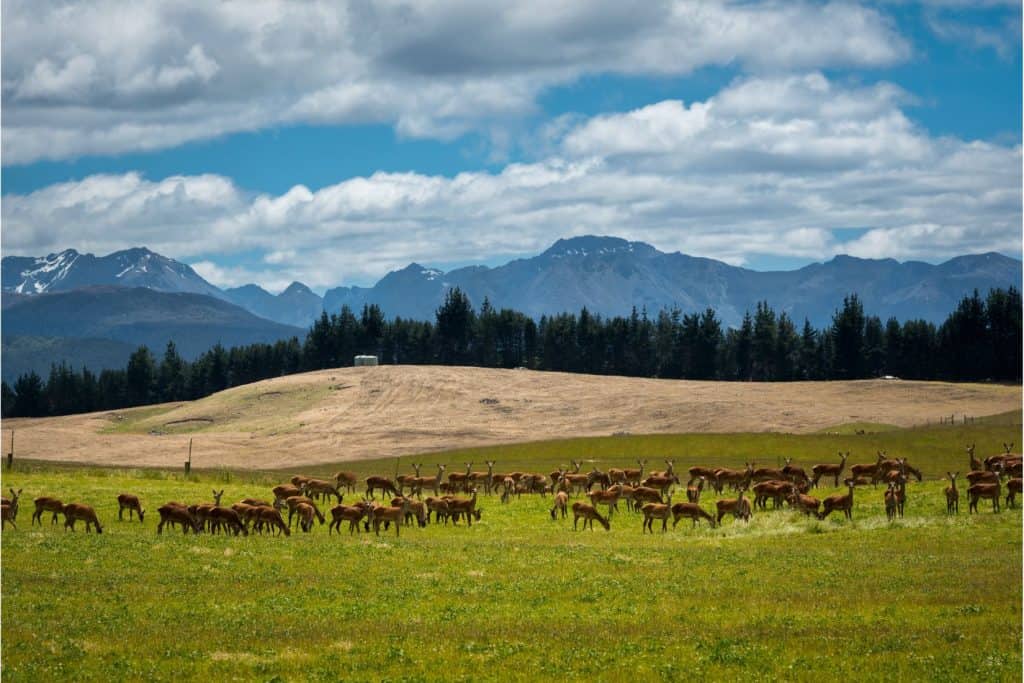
[{"x": 519, "y": 596}]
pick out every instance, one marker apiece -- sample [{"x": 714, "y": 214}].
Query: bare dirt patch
[{"x": 391, "y": 410}]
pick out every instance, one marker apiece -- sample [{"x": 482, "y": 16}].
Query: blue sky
[{"x": 848, "y": 130}]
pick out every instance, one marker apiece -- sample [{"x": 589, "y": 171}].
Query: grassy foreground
[{"x": 519, "y": 596}]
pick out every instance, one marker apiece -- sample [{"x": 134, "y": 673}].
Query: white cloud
[
  {"x": 732, "y": 177},
  {"x": 107, "y": 77}
]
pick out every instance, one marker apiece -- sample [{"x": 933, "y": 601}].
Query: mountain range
[{"x": 137, "y": 296}]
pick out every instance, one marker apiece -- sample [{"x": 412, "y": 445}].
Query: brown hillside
[{"x": 357, "y": 413}]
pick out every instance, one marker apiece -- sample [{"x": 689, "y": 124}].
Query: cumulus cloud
[
  {"x": 106, "y": 77},
  {"x": 774, "y": 165}
]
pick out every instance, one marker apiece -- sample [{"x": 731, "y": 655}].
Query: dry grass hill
[{"x": 358, "y": 413}]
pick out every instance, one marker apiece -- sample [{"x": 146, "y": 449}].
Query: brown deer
[
  {"x": 737, "y": 507},
  {"x": 391, "y": 515},
  {"x": 176, "y": 513},
  {"x": 670, "y": 471},
  {"x": 775, "y": 489},
  {"x": 596, "y": 476},
  {"x": 628, "y": 475},
  {"x": 901, "y": 495},
  {"x": 353, "y": 514},
  {"x": 588, "y": 513},
  {"x": 305, "y": 513},
  {"x": 653, "y": 511},
  {"x": 794, "y": 474},
  {"x": 46, "y": 504},
  {"x": 561, "y": 503},
  {"x": 6, "y": 515},
  {"x": 693, "y": 491},
  {"x": 975, "y": 463},
  {"x": 700, "y": 471},
  {"x": 417, "y": 510},
  {"x": 293, "y": 503},
  {"x": 734, "y": 478},
  {"x": 609, "y": 497},
  {"x": 646, "y": 494},
  {"x": 890, "y": 502},
  {"x": 768, "y": 474},
  {"x": 839, "y": 502},
  {"x": 475, "y": 479},
  {"x": 458, "y": 506},
  {"x": 952, "y": 495},
  {"x": 1012, "y": 489},
  {"x": 229, "y": 519},
  {"x": 661, "y": 482},
  {"x": 316, "y": 488},
  {"x": 992, "y": 491},
  {"x": 458, "y": 480},
  {"x": 284, "y": 491},
  {"x": 982, "y": 477},
  {"x": 431, "y": 483},
  {"x": 829, "y": 470},
  {"x": 12, "y": 503},
  {"x": 79, "y": 511},
  {"x": 575, "y": 482},
  {"x": 271, "y": 517},
  {"x": 865, "y": 470},
  {"x": 255, "y": 502},
  {"x": 348, "y": 480},
  {"x": 992, "y": 461},
  {"x": 126, "y": 501},
  {"x": 804, "y": 503},
  {"x": 439, "y": 506},
  {"x": 407, "y": 481},
  {"x": 299, "y": 480},
  {"x": 386, "y": 486},
  {"x": 693, "y": 512}
]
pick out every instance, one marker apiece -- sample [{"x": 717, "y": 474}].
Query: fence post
[
  {"x": 10, "y": 454},
  {"x": 188, "y": 463}
]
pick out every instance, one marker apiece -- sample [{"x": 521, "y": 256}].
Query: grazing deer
[
  {"x": 255, "y": 502},
  {"x": 693, "y": 512},
  {"x": 804, "y": 503},
  {"x": 737, "y": 507},
  {"x": 348, "y": 480},
  {"x": 229, "y": 519},
  {"x": 975, "y": 463},
  {"x": 299, "y": 481},
  {"x": 293, "y": 503},
  {"x": 131, "y": 503},
  {"x": 175, "y": 513},
  {"x": 305, "y": 513},
  {"x": 12, "y": 503},
  {"x": 271, "y": 517},
  {"x": 693, "y": 492},
  {"x": 6, "y": 515},
  {"x": 458, "y": 480},
  {"x": 589, "y": 513},
  {"x": 646, "y": 494},
  {"x": 768, "y": 474},
  {"x": 952, "y": 494},
  {"x": 700, "y": 471},
  {"x": 386, "y": 486},
  {"x": 391, "y": 515},
  {"x": 574, "y": 483},
  {"x": 1012, "y": 489},
  {"x": 609, "y": 497},
  {"x": 320, "y": 488},
  {"x": 830, "y": 470},
  {"x": 775, "y": 490},
  {"x": 79, "y": 511},
  {"x": 653, "y": 511},
  {"x": 979, "y": 491},
  {"x": 561, "y": 503},
  {"x": 839, "y": 501}
]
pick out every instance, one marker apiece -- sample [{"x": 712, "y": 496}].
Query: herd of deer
[{"x": 650, "y": 495}]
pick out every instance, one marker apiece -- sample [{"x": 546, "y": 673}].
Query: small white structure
[{"x": 365, "y": 360}]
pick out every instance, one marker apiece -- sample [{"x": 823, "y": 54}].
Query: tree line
[{"x": 979, "y": 340}]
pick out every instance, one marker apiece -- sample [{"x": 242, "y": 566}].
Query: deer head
[{"x": 217, "y": 496}]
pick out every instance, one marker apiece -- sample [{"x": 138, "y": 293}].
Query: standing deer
[
  {"x": 1012, "y": 489},
  {"x": 561, "y": 503},
  {"x": 348, "y": 480},
  {"x": 979, "y": 491},
  {"x": 12, "y": 503},
  {"x": 79, "y": 511},
  {"x": 390, "y": 515},
  {"x": 458, "y": 480},
  {"x": 737, "y": 507},
  {"x": 794, "y": 474},
  {"x": 589, "y": 513},
  {"x": 385, "y": 485},
  {"x": 6, "y": 516},
  {"x": 890, "y": 502},
  {"x": 316, "y": 488},
  {"x": 829, "y": 470},
  {"x": 952, "y": 495},
  {"x": 126, "y": 501},
  {"x": 693, "y": 492},
  {"x": 839, "y": 501},
  {"x": 609, "y": 497},
  {"x": 653, "y": 511},
  {"x": 475, "y": 479},
  {"x": 432, "y": 483},
  {"x": 975, "y": 463},
  {"x": 46, "y": 504}
]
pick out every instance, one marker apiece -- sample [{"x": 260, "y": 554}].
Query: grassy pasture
[{"x": 519, "y": 596}]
